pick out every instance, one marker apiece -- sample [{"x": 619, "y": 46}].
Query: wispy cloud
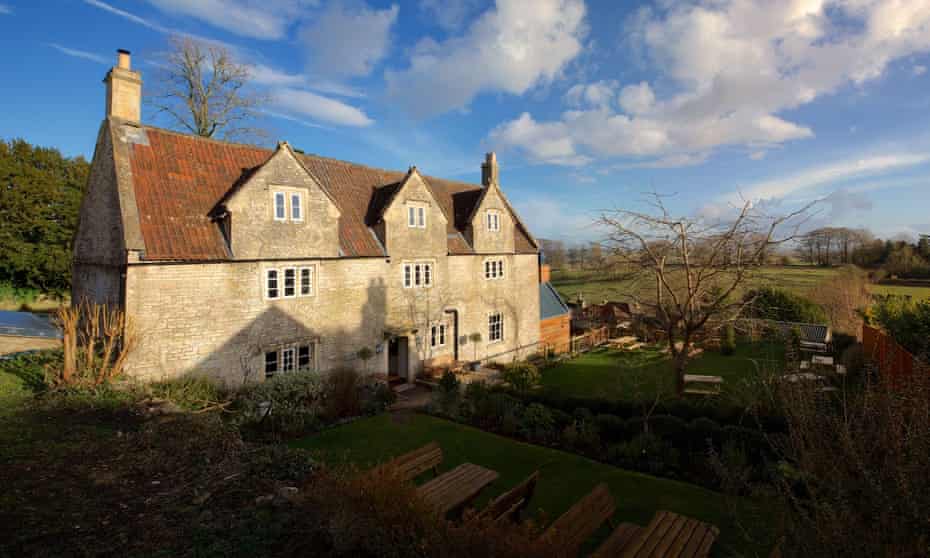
[
  {"x": 301, "y": 121},
  {"x": 320, "y": 108},
  {"x": 79, "y": 53},
  {"x": 131, "y": 17},
  {"x": 828, "y": 174},
  {"x": 4, "y": 9}
]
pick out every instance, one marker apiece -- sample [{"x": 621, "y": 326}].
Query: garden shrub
[
  {"x": 379, "y": 396},
  {"x": 728, "y": 344},
  {"x": 522, "y": 376},
  {"x": 448, "y": 394},
  {"x": 670, "y": 428},
  {"x": 342, "y": 394},
  {"x": 611, "y": 427},
  {"x": 750, "y": 441},
  {"x": 537, "y": 423},
  {"x": 704, "y": 431},
  {"x": 645, "y": 452},
  {"x": 286, "y": 404},
  {"x": 32, "y": 367},
  {"x": 190, "y": 392},
  {"x": 772, "y": 303}
]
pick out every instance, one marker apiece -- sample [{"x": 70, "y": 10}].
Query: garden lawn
[
  {"x": 644, "y": 373},
  {"x": 564, "y": 477}
]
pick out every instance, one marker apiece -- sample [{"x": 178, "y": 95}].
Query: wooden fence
[
  {"x": 893, "y": 360},
  {"x": 590, "y": 339}
]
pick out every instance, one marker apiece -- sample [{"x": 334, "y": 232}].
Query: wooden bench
[
  {"x": 574, "y": 527},
  {"x": 698, "y": 384},
  {"x": 510, "y": 504},
  {"x": 670, "y": 535},
  {"x": 453, "y": 489},
  {"x": 411, "y": 465}
]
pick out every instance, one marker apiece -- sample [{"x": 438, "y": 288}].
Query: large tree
[
  {"x": 40, "y": 194},
  {"x": 695, "y": 266},
  {"x": 203, "y": 90}
]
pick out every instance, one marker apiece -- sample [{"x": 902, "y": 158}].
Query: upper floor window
[
  {"x": 416, "y": 216},
  {"x": 288, "y": 206},
  {"x": 495, "y": 327},
  {"x": 289, "y": 282},
  {"x": 418, "y": 274},
  {"x": 494, "y": 269},
  {"x": 297, "y": 209},
  {"x": 494, "y": 220}
]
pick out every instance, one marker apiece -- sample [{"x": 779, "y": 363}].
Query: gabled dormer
[
  {"x": 279, "y": 210},
  {"x": 491, "y": 226},
  {"x": 409, "y": 221}
]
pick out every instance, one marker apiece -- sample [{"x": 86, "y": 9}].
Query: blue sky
[{"x": 589, "y": 104}]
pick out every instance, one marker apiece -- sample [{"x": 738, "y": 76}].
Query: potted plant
[{"x": 475, "y": 338}]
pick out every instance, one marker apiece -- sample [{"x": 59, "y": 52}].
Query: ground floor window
[
  {"x": 495, "y": 327},
  {"x": 291, "y": 358},
  {"x": 437, "y": 336}
]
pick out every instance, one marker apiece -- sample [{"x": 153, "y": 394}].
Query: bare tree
[
  {"x": 695, "y": 267},
  {"x": 204, "y": 91}
]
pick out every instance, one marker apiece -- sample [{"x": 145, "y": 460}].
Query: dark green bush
[
  {"x": 342, "y": 394},
  {"x": 448, "y": 394},
  {"x": 647, "y": 453},
  {"x": 522, "y": 376},
  {"x": 611, "y": 427},
  {"x": 771, "y": 303},
  {"x": 537, "y": 423},
  {"x": 285, "y": 405},
  {"x": 705, "y": 431},
  {"x": 670, "y": 428},
  {"x": 728, "y": 343},
  {"x": 190, "y": 392}
]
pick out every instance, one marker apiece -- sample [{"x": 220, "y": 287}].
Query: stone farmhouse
[{"x": 240, "y": 262}]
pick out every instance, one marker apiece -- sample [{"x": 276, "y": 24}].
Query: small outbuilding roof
[{"x": 550, "y": 303}]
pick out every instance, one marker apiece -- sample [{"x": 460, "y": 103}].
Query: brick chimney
[
  {"x": 545, "y": 273},
  {"x": 124, "y": 90},
  {"x": 489, "y": 170}
]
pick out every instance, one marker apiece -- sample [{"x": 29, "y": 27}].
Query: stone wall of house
[
  {"x": 213, "y": 319},
  {"x": 492, "y": 242},
  {"x": 98, "y": 244}
]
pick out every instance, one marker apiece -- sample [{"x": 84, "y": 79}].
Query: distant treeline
[{"x": 838, "y": 245}]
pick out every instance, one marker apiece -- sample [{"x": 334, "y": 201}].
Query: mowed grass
[
  {"x": 599, "y": 286},
  {"x": 646, "y": 373},
  {"x": 564, "y": 477}
]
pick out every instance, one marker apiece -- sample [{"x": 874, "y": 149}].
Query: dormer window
[
  {"x": 494, "y": 220},
  {"x": 280, "y": 207},
  {"x": 416, "y": 216},
  {"x": 297, "y": 208},
  {"x": 288, "y": 206}
]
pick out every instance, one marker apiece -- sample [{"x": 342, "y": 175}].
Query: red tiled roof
[{"x": 179, "y": 179}]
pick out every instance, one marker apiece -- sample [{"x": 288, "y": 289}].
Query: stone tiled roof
[{"x": 179, "y": 180}]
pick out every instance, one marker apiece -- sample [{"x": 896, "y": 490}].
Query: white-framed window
[
  {"x": 272, "y": 289},
  {"x": 495, "y": 327},
  {"x": 288, "y": 205},
  {"x": 437, "y": 336},
  {"x": 297, "y": 207},
  {"x": 418, "y": 275},
  {"x": 494, "y": 269},
  {"x": 306, "y": 281},
  {"x": 416, "y": 216},
  {"x": 290, "y": 282},
  {"x": 494, "y": 220},
  {"x": 300, "y": 357},
  {"x": 280, "y": 206}
]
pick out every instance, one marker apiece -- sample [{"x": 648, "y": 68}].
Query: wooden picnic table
[
  {"x": 670, "y": 535},
  {"x": 453, "y": 489},
  {"x": 702, "y": 384}
]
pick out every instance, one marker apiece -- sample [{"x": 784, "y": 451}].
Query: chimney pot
[{"x": 123, "y": 59}]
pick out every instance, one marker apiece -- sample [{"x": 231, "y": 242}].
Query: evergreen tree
[{"x": 40, "y": 195}]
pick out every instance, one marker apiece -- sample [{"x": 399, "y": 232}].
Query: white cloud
[
  {"x": 260, "y": 19},
  {"x": 758, "y": 155},
  {"x": 451, "y": 15},
  {"x": 346, "y": 41},
  {"x": 548, "y": 218},
  {"x": 266, "y": 75},
  {"x": 4, "y": 9},
  {"x": 919, "y": 70},
  {"x": 827, "y": 174},
  {"x": 81, "y": 54},
  {"x": 512, "y": 47},
  {"x": 733, "y": 68},
  {"x": 598, "y": 94},
  {"x": 319, "y": 108},
  {"x": 545, "y": 142}
]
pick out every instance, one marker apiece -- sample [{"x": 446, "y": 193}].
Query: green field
[
  {"x": 646, "y": 373},
  {"x": 564, "y": 477},
  {"x": 599, "y": 286}
]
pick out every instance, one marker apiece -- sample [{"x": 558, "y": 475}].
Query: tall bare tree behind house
[
  {"x": 693, "y": 267},
  {"x": 204, "y": 91}
]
